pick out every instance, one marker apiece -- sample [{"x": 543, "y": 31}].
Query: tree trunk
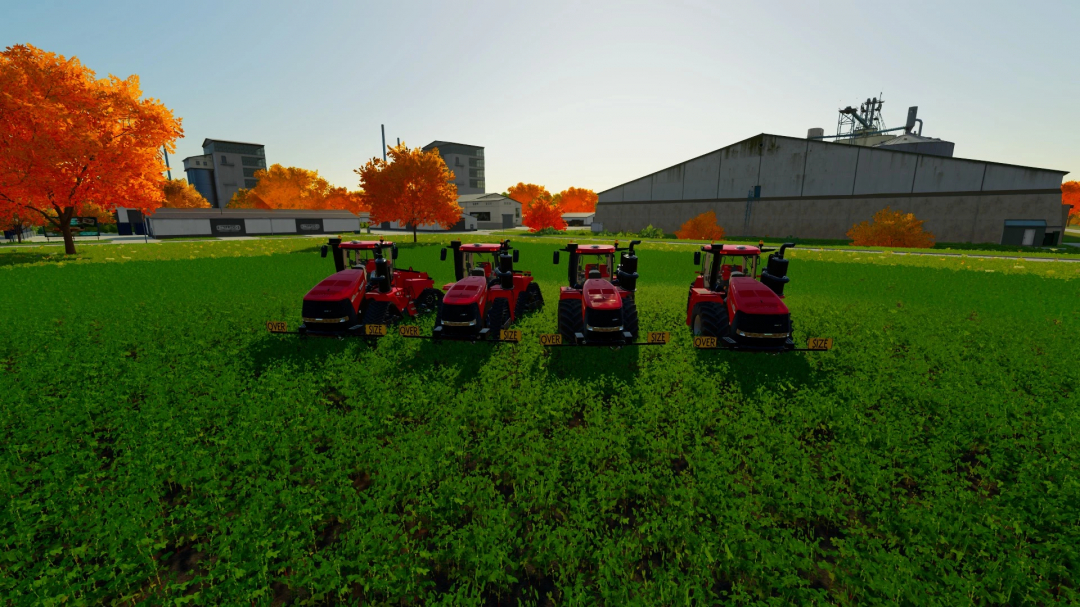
[
  {"x": 414, "y": 231},
  {"x": 18, "y": 233},
  {"x": 65, "y": 229}
]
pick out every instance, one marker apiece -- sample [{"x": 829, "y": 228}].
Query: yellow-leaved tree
[{"x": 179, "y": 194}]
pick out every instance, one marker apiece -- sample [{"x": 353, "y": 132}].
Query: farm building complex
[{"x": 777, "y": 186}]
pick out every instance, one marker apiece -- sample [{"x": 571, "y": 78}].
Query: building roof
[
  {"x": 886, "y": 149},
  {"x": 436, "y": 144},
  {"x": 207, "y": 140},
  {"x": 198, "y": 156},
  {"x": 167, "y": 213},
  {"x": 475, "y": 197},
  {"x": 577, "y": 215}
]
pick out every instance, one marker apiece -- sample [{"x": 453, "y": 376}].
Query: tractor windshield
[
  {"x": 745, "y": 265},
  {"x": 599, "y": 262},
  {"x": 483, "y": 261},
  {"x": 359, "y": 258}
]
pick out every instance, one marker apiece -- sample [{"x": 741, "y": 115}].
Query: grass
[{"x": 159, "y": 446}]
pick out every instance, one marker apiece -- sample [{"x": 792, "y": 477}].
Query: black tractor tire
[
  {"x": 571, "y": 320},
  {"x": 498, "y": 316},
  {"x": 523, "y": 305},
  {"x": 429, "y": 300},
  {"x": 381, "y": 313},
  {"x": 710, "y": 320},
  {"x": 629, "y": 316},
  {"x": 538, "y": 296}
]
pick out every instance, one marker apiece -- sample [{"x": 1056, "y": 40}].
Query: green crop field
[{"x": 159, "y": 447}]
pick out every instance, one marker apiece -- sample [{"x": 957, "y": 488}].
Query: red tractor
[
  {"x": 489, "y": 293},
  {"x": 598, "y": 307},
  {"x": 365, "y": 290},
  {"x": 730, "y": 308}
]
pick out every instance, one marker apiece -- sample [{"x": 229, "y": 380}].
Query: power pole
[
  {"x": 168, "y": 169},
  {"x": 383, "y": 126}
]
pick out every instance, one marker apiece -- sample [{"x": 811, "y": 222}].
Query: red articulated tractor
[
  {"x": 728, "y": 307},
  {"x": 367, "y": 290},
  {"x": 489, "y": 293},
  {"x": 598, "y": 307}
]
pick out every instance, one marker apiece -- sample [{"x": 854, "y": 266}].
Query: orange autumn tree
[
  {"x": 891, "y": 229},
  {"x": 577, "y": 200},
  {"x": 179, "y": 194},
  {"x": 543, "y": 213},
  {"x": 413, "y": 187},
  {"x": 68, "y": 139},
  {"x": 526, "y": 193},
  {"x": 16, "y": 219},
  {"x": 281, "y": 187},
  {"x": 1070, "y": 194},
  {"x": 702, "y": 227}
]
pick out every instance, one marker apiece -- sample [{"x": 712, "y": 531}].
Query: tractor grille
[
  {"x": 603, "y": 321},
  {"x": 764, "y": 326},
  {"x": 461, "y": 316},
  {"x": 327, "y": 312}
]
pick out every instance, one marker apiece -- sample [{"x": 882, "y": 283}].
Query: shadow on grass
[
  {"x": 466, "y": 357},
  {"x": 301, "y": 351},
  {"x": 753, "y": 370},
  {"x": 590, "y": 363},
  {"x": 19, "y": 258}
]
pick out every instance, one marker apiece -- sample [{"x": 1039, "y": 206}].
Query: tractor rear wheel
[
  {"x": 428, "y": 301},
  {"x": 381, "y": 313},
  {"x": 570, "y": 319},
  {"x": 710, "y": 320},
  {"x": 498, "y": 316},
  {"x": 537, "y": 296},
  {"x": 629, "y": 316}
]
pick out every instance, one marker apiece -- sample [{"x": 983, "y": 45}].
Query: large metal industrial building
[{"x": 777, "y": 186}]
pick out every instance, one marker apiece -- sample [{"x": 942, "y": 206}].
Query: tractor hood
[
  {"x": 468, "y": 290},
  {"x": 752, "y": 297},
  {"x": 336, "y": 287},
  {"x": 599, "y": 294}
]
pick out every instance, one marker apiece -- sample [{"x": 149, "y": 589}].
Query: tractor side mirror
[
  {"x": 697, "y": 258},
  {"x": 393, "y": 252},
  {"x": 322, "y": 252},
  {"x": 556, "y": 260},
  {"x": 442, "y": 255},
  {"x": 515, "y": 256}
]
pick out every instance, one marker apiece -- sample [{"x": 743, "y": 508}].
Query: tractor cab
[
  {"x": 720, "y": 263},
  {"x": 369, "y": 256}
]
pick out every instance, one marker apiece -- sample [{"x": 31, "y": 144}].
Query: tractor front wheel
[
  {"x": 498, "y": 316},
  {"x": 629, "y": 316},
  {"x": 571, "y": 320},
  {"x": 710, "y": 320},
  {"x": 428, "y": 301}
]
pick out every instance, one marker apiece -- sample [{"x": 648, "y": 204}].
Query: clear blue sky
[{"x": 583, "y": 94}]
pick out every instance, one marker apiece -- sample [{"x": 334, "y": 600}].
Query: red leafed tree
[
  {"x": 69, "y": 139},
  {"x": 543, "y": 213},
  {"x": 1070, "y": 194},
  {"x": 413, "y": 187},
  {"x": 527, "y": 193},
  {"x": 891, "y": 229},
  {"x": 702, "y": 227},
  {"x": 577, "y": 200}
]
